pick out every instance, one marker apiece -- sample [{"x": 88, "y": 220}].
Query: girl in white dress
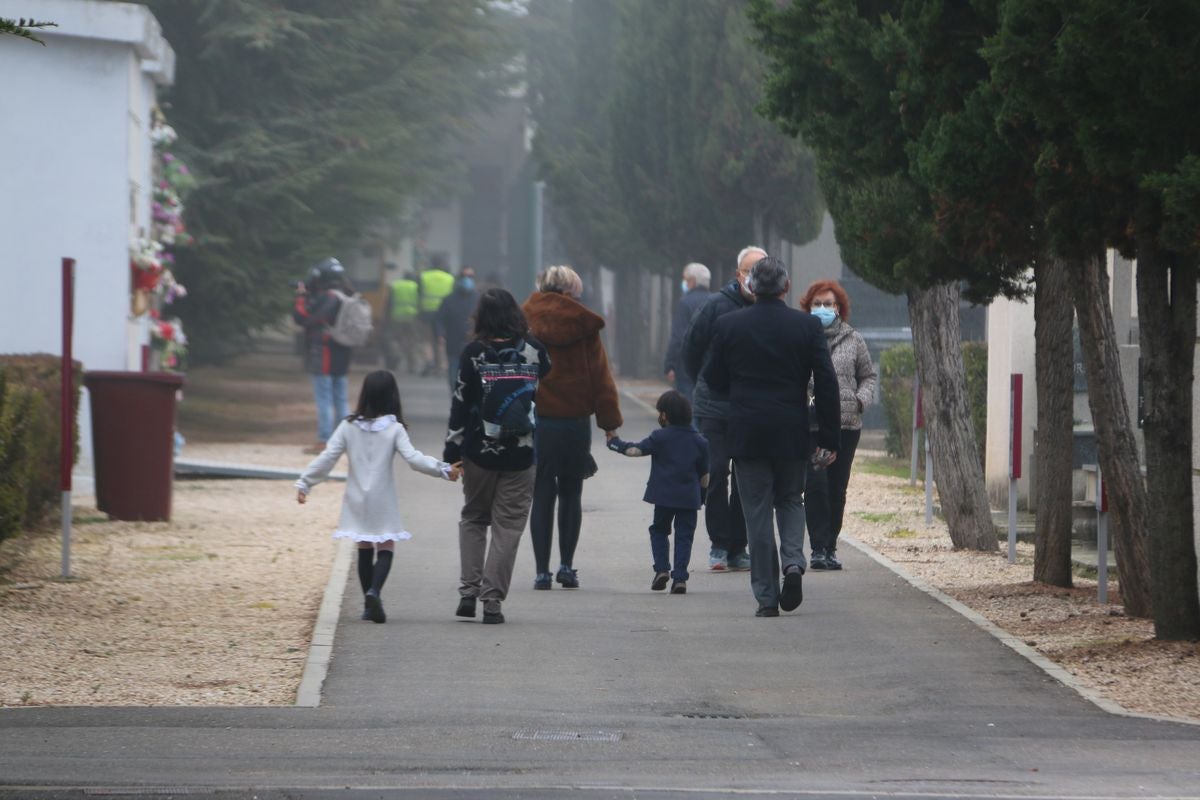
[{"x": 371, "y": 437}]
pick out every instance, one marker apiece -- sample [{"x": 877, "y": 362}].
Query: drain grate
[{"x": 528, "y": 734}]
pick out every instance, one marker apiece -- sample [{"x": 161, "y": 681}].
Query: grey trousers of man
[
  {"x": 500, "y": 500},
  {"x": 772, "y": 485}
]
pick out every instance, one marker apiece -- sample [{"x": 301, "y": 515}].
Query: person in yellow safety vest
[
  {"x": 436, "y": 286},
  {"x": 402, "y": 334}
]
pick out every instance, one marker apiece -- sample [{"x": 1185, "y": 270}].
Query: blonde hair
[{"x": 561, "y": 279}]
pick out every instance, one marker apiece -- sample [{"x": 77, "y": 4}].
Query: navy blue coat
[
  {"x": 678, "y": 460},
  {"x": 763, "y": 357}
]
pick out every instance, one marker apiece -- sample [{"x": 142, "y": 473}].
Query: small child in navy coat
[{"x": 677, "y": 485}]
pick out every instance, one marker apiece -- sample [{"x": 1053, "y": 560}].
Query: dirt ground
[{"x": 217, "y": 606}]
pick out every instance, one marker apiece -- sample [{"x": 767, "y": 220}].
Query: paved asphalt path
[{"x": 871, "y": 689}]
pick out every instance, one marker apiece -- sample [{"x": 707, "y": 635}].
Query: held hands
[
  {"x": 822, "y": 458},
  {"x": 609, "y": 436},
  {"x": 455, "y": 472}
]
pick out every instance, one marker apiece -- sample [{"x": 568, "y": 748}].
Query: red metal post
[
  {"x": 67, "y": 458},
  {"x": 1014, "y": 467}
]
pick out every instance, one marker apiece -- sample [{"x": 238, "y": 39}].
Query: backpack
[
  {"x": 508, "y": 385},
  {"x": 352, "y": 326}
]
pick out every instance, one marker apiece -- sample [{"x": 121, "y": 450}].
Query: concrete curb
[
  {"x": 1012, "y": 642},
  {"x": 321, "y": 648}
]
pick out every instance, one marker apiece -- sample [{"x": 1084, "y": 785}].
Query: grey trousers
[
  {"x": 771, "y": 485},
  {"x": 499, "y": 499}
]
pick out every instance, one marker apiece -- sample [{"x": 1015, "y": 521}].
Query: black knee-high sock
[
  {"x": 366, "y": 567},
  {"x": 383, "y": 565}
]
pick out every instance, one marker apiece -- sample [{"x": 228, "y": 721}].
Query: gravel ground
[{"x": 217, "y": 606}]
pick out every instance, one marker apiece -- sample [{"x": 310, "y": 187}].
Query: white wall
[
  {"x": 1010, "y": 350},
  {"x": 74, "y": 137}
]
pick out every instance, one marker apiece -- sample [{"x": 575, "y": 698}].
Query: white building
[{"x": 74, "y": 136}]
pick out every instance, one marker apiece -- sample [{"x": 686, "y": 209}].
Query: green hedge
[
  {"x": 29, "y": 437},
  {"x": 897, "y": 365}
]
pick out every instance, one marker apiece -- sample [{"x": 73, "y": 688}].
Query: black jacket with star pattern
[{"x": 464, "y": 435}]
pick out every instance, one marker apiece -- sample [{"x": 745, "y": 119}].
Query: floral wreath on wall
[{"x": 151, "y": 257}]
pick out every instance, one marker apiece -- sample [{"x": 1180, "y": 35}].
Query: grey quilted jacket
[{"x": 855, "y": 370}]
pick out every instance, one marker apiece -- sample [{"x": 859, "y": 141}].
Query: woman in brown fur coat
[{"x": 579, "y": 385}]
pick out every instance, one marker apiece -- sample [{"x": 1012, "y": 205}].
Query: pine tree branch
[{"x": 24, "y": 28}]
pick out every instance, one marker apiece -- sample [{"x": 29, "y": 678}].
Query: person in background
[
  {"x": 326, "y": 361},
  {"x": 401, "y": 337},
  {"x": 763, "y": 357},
  {"x": 436, "y": 284},
  {"x": 723, "y": 511},
  {"x": 825, "y": 490},
  {"x": 678, "y": 480},
  {"x": 579, "y": 386},
  {"x": 453, "y": 319},
  {"x": 694, "y": 286}
]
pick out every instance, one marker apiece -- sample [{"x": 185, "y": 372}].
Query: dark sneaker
[
  {"x": 466, "y": 607},
  {"x": 831, "y": 560},
  {"x": 792, "y": 594},
  {"x": 366, "y": 614},
  {"x": 569, "y": 578},
  {"x": 544, "y": 581},
  {"x": 374, "y": 607},
  {"x": 818, "y": 560},
  {"x": 767, "y": 611},
  {"x": 493, "y": 618},
  {"x": 679, "y": 587},
  {"x": 660, "y": 581},
  {"x": 739, "y": 562}
]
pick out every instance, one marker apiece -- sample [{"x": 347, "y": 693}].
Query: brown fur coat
[{"x": 580, "y": 382}]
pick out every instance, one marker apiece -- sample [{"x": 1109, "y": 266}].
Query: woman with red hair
[{"x": 825, "y": 489}]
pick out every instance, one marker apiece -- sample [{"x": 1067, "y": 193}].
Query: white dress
[{"x": 370, "y": 508}]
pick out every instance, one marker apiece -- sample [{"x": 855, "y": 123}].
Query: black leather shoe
[
  {"x": 767, "y": 611},
  {"x": 493, "y": 618},
  {"x": 819, "y": 560},
  {"x": 660, "y": 581},
  {"x": 466, "y": 607},
  {"x": 375, "y": 607},
  {"x": 679, "y": 587},
  {"x": 569, "y": 578},
  {"x": 792, "y": 594},
  {"x": 831, "y": 560}
]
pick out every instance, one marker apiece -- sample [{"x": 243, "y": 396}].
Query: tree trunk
[
  {"x": 1166, "y": 285},
  {"x": 1114, "y": 433},
  {"x": 934, "y": 316},
  {"x": 1054, "y": 365}
]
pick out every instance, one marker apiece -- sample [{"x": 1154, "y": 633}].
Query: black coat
[
  {"x": 696, "y": 342},
  {"x": 685, "y": 311},
  {"x": 763, "y": 357},
  {"x": 316, "y": 312}
]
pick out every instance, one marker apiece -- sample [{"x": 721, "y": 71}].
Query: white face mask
[
  {"x": 746, "y": 285},
  {"x": 683, "y": 287}
]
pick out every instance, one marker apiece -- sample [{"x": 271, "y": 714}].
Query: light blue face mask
[
  {"x": 683, "y": 287},
  {"x": 467, "y": 284},
  {"x": 826, "y": 315}
]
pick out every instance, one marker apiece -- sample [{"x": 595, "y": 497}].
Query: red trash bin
[{"x": 133, "y": 442}]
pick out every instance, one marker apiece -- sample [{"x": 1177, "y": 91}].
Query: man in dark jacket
[
  {"x": 696, "y": 279},
  {"x": 453, "y": 319},
  {"x": 325, "y": 360},
  {"x": 723, "y": 512},
  {"x": 764, "y": 356}
]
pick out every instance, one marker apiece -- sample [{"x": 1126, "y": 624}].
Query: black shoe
[
  {"x": 819, "y": 560},
  {"x": 831, "y": 560},
  {"x": 679, "y": 587},
  {"x": 374, "y": 607},
  {"x": 366, "y": 615},
  {"x": 466, "y": 607},
  {"x": 544, "y": 581},
  {"x": 792, "y": 594},
  {"x": 660, "y": 581},
  {"x": 493, "y": 618},
  {"x": 569, "y": 578},
  {"x": 767, "y": 611}
]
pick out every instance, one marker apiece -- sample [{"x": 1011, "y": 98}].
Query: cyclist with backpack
[
  {"x": 490, "y": 435},
  {"x": 325, "y": 359}
]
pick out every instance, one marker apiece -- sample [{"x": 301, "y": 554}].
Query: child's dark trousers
[{"x": 660, "y": 544}]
